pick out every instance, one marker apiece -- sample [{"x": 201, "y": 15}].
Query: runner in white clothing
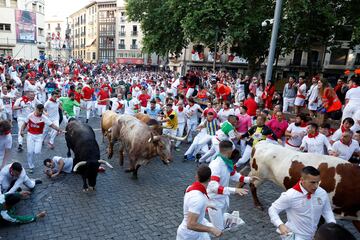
[
  {"x": 194, "y": 225},
  {"x": 5, "y": 142},
  {"x": 295, "y": 132},
  {"x": 304, "y": 204},
  {"x": 52, "y": 106},
  {"x": 56, "y": 165},
  {"x": 352, "y": 99},
  {"x": 315, "y": 142}
]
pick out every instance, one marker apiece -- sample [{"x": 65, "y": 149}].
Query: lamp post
[{"x": 274, "y": 35}]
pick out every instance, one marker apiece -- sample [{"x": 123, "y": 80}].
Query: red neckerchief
[
  {"x": 119, "y": 106},
  {"x": 313, "y": 135},
  {"x": 180, "y": 109},
  {"x": 6, "y": 132},
  {"x": 345, "y": 143},
  {"x": 25, "y": 99},
  {"x": 353, "y": 87},
  {"x": 298, "y": 188},
  {"x": 303, "y": 124},
  {"x": 32, "y": 82},
  {"x": 197, "y": 186},
  {"x": 342, "y": 129},
  {"x": 53, "y": 100},
  {"x": 169, "y": 112}
]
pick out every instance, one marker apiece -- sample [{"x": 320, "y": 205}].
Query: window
[
  {"x": 48, "y": 26},
  {"x": 339, "y": 56},
  {"x": 5, "y": 52},
  {"x": 13, "y": 3},
  {"x": 94, "y": 55},
  {"x": 40, "y": 31},
  {"x": 122, "y": 42},
  {"x": 2, "y": 3},
  {"x": 134, "y": 28},
  {"x": 357, "y": 59},
  {"x": 5, "y": 27},
  {"x": 343, "y": 33}
]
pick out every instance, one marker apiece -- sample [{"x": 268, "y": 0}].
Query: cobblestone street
[{"x": 123, "y": 208}]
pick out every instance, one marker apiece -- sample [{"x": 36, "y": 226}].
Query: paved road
[{"x": 123, "y": 208}]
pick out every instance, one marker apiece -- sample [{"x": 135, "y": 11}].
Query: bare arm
[{"x": 192, "y": 224}]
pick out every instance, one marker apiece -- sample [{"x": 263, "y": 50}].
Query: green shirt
[
  {"x": 68, "y": 105},
  {"x": 9, "y": 214}
]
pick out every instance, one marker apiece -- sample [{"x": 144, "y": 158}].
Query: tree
[{"x": 169, "y": 25}]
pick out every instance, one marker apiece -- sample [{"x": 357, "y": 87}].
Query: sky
[{"x": 63, "y": 8}]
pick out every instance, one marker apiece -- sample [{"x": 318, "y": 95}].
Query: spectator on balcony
[{"x": 289, "y": 95}]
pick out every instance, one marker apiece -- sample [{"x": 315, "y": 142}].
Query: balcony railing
[
  {"x": 134, "y": 33},
  {"x": 82, "y": 45},
  {"x": 76, "y": 35},
  {"x": 134, "y": 46},
  {"x": 82, "y": 34},
  {"x": 121, "y": 46},
  {"x": 122, "y": 34},
  {"x": 58, "y": 29}
]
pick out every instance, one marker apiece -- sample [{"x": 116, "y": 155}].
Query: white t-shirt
[
  {"x": 300, "y": 133},
  {"x": 27, "y": 107},
  {"x": 52, "y": 109},
  {"x": 316, "y": 144},
  {"x": 180, "y": 115},
  {"x": 68, "y": 164},
  {"x": 192, "y": 112},
  {"x": 224, "y": 114},
  {"x": 353, "y": 95},
  {"x": 345, "y": 152}
]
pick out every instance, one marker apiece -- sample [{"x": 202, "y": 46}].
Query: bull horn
[
  {"x": 106, "y": 163},
  {"x": 177, "y": 138},
  {"x": 79, "y": 164},
  {"x": 109, "y": 130}
]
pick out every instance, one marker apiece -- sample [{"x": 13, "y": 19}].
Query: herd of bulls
[{"x": 142, "y": 139}]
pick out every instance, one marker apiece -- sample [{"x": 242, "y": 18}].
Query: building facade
[
  {"x": 78, "y": 33},
  {"x": 57, "y": 39},
  {"x": 22, "y": 28}
]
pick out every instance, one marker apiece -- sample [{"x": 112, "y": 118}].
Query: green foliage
[{"x": 169, "y": 25}]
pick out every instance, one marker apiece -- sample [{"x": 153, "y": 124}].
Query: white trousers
[
  {"x": 180, "y": 132},
  {"x": 34, "y": 145},
  {"x": 217, "y": 216},
  {"x": 20, "y": 122},
  {"x": 89, "y": 107},
  {"x": 288, "y": 102},
  {"x": 350, "y": 110},
  {"x": 189, "y": 92},
  {"x": 212, "y": 152},
  {"x": 191, "y": 130},
  {"x": 200, "y": 143},
  {"x": 50, "y": 132},
  {"x": 245, "y": 156},
  {"x": 100, "y": 109},
  {"x": 6, "y": 184}
]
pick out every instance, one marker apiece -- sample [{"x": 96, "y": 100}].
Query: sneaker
[
  {"x": 191, "y": 158},
  {"x": 177, "y": 149},
  {"x": 185, "y": 158},
  {"x": 31, "y": 170},
  {"x": 20, "y": 148},
  {"x": 38, "y": 181},
  {"x": 87, "y": 121},
  {"x": 18, "y": 189},
  {"x": 51, "y": 146}
]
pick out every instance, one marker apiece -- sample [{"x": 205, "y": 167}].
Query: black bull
[{"x": 80, "y": 138}]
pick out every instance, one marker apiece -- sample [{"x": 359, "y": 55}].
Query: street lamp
[{"x": 274, "y": 35}]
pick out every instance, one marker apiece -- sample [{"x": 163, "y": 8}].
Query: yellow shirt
[{"x": 172, "y": 120}]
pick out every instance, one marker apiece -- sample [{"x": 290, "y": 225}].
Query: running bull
[
  {"x": 80, "y": 138},
  {"x": 282, "y": 166},
  {"x": 141, "y": 142}
]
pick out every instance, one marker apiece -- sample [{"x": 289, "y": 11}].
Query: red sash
[{"x": 298, "y": 188}]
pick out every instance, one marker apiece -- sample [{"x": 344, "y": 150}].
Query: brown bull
[
  {"x": 107, "y": 120},
  {"x": 140, "y": 141},
  {"x": 156, "y": 125}
]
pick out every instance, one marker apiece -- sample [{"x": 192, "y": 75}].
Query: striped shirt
[{"x": 211, "y": 127}]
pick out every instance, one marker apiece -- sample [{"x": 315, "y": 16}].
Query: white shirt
[
  {"x": 52, "y": 109},
  {"x": 130, "y": 105},
  {"x": 336, "y": 135},
  {"x": 29, "y": 87},
  {"x": 27, "y": 107},
  {"x": 6, "y": 178},
  {"x": 194, "y": 202},
  {"x": 116, "y": 105},
  {"x": 180, "y": 115},
  {"x": 224, "y": 114},
  {"x": 220, "y": 178},
  {"x": 346, "y": 151},
  {"x": 300, "y": 133},
  {"x": 5, "y": 143},
  {"x": 192, "y": 112},
  {"x": 301, "y": 90},
  {"x": 68, "y": 164},
  {"x": 303, "y": 214},
  {"x": 7, "y": 100},
  {"x": 353, "y": 95},
  {"x": 316, "y": 144}
]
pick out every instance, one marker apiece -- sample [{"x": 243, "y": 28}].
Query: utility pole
[
  {"x": 216, "y": 40},
  {"x": 274, "y": 35}
]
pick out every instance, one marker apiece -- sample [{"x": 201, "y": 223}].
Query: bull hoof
[
  {"x": 135, "y": 177},
  {"x": 110, "y": 156},
  {"x": 129, "y": 170},
  {"x": 85, "y": 190}
]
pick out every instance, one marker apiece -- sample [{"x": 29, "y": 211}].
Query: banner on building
[{"x": 25, "y": 26}]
